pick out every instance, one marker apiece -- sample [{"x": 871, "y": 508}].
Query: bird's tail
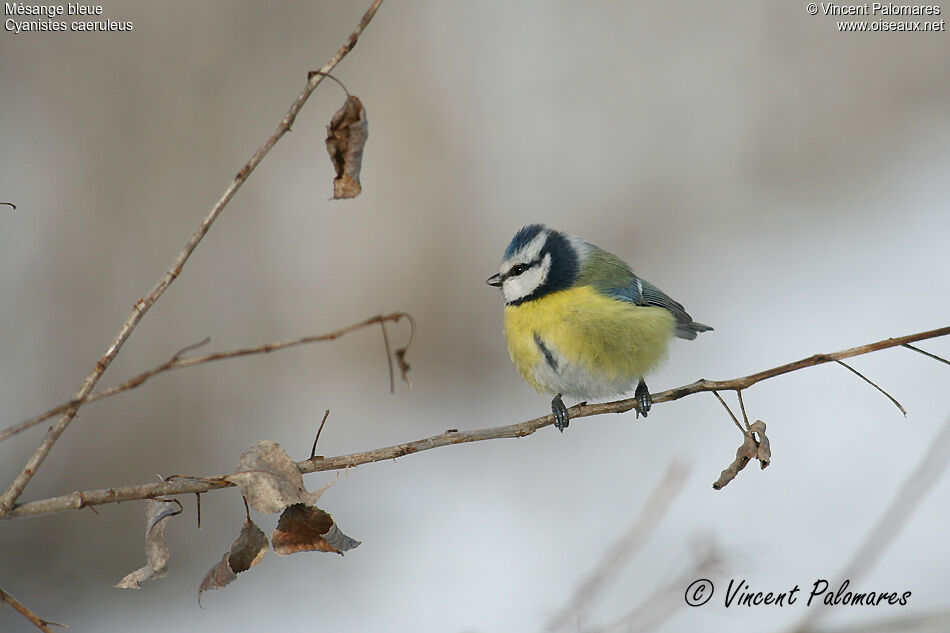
[{"x": 691, "y": 329}]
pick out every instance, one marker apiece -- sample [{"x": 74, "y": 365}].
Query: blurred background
[{"x": 786, "y": 182}]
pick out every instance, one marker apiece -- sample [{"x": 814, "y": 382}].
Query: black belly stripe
[{"x": 548, "y": 356}]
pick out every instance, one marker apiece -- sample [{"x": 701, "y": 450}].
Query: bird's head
[{"x": 538, "y": 261}]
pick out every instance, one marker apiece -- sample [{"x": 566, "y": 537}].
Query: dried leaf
[
  {"x": 246, "y": 551},
  {"x": 743, "y": 455},
  {"x": 764, "y": 452},
  {"x": 403, "y": 365},
  {"x": 156, "y": 549},
  {"x": 304, "y": 528},
  {"x": 221, "y": 575},
  {"x": 752, "y": 448},
  {"x": 270, "y": 479},
  {"x": 346, "y": 136}
]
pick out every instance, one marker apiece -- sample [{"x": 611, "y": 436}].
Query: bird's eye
[{"x": 517, "y": 270}]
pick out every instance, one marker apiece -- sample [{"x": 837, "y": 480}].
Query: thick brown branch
[
  {"x": 179, "y": 486},
  {"x": 176, "y": 362},
  {"x": 13, "y": 492}
]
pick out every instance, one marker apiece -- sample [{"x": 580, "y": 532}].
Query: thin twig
[
  {"x": 745, "y": 382},
  {"x": 928, "y": 471},
  {"x": 313, "y": 451},
  {"x": 745, "y": 418},
  {"x": 329, "y": 76},
  {"x": 189, "y": 348},
  {"x": 389, "y": 358},
  {"x": 925, "y": 353},
  {"x": 873, "y": 384},
  {"x": 78, "y": 500},
  {"x": 616, "y": 558},
  {"x": 39, "y": 622},
  {"x": 176, "y": 362},
  {"x": 13, "y": 492},
  {"x": 731, "y": 414},
  {"x": 667, "y": 599}
]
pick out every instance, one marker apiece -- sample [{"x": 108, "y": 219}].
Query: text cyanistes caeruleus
[{"x": 579, "y": 322}]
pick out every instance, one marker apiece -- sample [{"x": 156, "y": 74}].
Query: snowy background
[{"x": 786, "y": 182}]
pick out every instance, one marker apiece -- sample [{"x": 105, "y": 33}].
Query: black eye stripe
[{"x": 518, "y": 269}]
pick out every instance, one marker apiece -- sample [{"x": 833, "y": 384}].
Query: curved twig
[
  {"x": 78, "y": 500},
  {"x": 13, "y": 492},
  {"x": 22, "y": 609},
  {"x": 329, "y": 76},
  {"x": 177, "y": 362},
  {"x": 933, "y": 356},
  {"x": 873, "y": 384}
]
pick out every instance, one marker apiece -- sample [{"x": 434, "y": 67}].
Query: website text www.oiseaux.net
[{"x": 890, "y": 25}]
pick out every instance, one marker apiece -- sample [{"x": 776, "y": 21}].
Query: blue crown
[{"x": 523, "y": 237}]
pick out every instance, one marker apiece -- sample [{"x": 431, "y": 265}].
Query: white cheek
[{"x": 515, "y": 288}]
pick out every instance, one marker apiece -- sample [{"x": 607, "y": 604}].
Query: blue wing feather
[{"x": 617, "y": 280}]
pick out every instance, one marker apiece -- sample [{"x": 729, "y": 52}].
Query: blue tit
[{"x": 579, "y": 322}]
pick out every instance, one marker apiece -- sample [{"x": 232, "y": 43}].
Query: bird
[{"x": 580, "y": 323}]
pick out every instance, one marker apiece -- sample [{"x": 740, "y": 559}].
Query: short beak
[{"x": 494, "y": 280}]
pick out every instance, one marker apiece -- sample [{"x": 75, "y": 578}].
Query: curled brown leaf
[
  {"x": 306, "y": 528},
  {"x": 246, "y": 551},
  {"x": 752, "y": 448},
  {"x": 346, "y": 136}
]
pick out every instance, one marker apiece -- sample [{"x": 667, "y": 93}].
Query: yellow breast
[{"x": 599, "y": 346}]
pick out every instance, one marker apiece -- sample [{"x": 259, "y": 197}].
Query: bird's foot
[
  {"x": 561, "y": 416},
  {"x": 643, "y": 398}
]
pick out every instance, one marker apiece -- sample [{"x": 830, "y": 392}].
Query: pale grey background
[{"x": 784, "y": 181}]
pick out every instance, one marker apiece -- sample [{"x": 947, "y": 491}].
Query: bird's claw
[
  {"x": 561, "y": 417},
  {"x": 643, "y": 398}
]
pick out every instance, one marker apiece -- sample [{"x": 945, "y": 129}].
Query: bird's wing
[{"x": 617, "y": 280}]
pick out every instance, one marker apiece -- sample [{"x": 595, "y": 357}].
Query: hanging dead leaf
[
  {"x": 157, "y": 511},
  {"x": 403, "y": 365},
  {"x": 219, "y": 576},
  {"x": 764, "y": 452},
  {"x": 304, "y": 528},
  {"x": 246, "y": 551},
  {"x": 346, "y": 136},
  {"x": 753, "y": 447},
  {"x": 270, "y": 479}
]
